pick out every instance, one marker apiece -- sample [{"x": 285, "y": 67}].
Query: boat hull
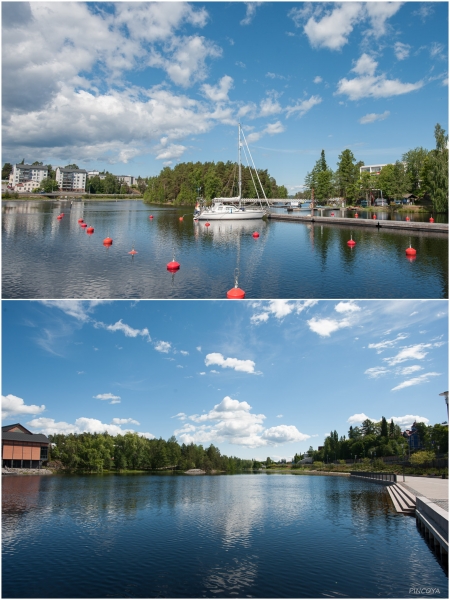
[{"x": 235, "y": 215}]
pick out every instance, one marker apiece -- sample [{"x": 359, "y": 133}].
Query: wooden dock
[{"x": 378, "y": 223}]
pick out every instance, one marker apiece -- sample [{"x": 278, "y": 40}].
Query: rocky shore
[{"x": 8, "y": 471}]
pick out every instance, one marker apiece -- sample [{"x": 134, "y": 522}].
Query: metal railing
[{"x": 378, "y": 476}]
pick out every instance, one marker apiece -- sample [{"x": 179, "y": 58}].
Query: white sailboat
[{"x": 237, "y": 207}]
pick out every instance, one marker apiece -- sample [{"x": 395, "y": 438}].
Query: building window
[{"x": 44, "y": 453}]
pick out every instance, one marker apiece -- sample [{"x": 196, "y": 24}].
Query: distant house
[
  {"x": 412, "y": 437},
  {"x": 22, "y": 449},
  {"x": 22, "y": 174}
]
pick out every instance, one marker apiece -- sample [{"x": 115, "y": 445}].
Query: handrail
[{"x": 372, "y": 475}]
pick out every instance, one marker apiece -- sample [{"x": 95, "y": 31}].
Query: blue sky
[
  {"x": 257, "y": 379},
  {"x": 132, "y": 87}
]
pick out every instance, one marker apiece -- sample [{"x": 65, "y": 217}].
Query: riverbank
[{"x": 8, "y": 471}]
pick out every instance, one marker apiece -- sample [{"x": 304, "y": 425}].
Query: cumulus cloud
[
  {"x": 278, "y": 309},
  {"x": 232, "y": 421},
  {"x": 184, "y": 352},
  {"x": 358, "y": 418},
  {"x": 424, "y": 378},
  {"x": 318, "y": 79},
  {"x": 369, "y": 85},
  {"x": 270, "y": 129},
  {"x": 347, "y": 307},
  {"x": 331, "y": 28},
  {"x": 117, "y": 421},
  {"x": 82, "y": 425},
  {"x": 164, "y": 347},
  {"x": 372, "y": 117},
  {"x": 401, "y": 50},
  {"x": 127, "y": 330},
  {"x": 114, "y": 399},
  {"x": 245, "y": 366},
  {"x": 404, "y": 421},
  {"x": 218, "y": 93},
  {"x": 325, "y": 327},
  {"x": 13, "y": 405}
]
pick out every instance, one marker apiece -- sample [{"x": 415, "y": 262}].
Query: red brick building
[{"x": 22, "y": 449}]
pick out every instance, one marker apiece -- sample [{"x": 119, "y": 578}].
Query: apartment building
[
  {"x": 71, "y": 180},
  {"x": 27, "y": 173},
  {"x": 372, "y": 169}
]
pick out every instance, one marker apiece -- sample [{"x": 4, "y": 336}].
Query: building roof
[
  {"x": 31, "y": 167},
  {"x": 22, "y": 436},
  {"x": 64, "y": 170}
]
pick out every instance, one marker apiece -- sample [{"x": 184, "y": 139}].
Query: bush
[{"x": 422, "y": 457}]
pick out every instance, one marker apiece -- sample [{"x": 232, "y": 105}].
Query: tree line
[
  {"x": 378, "y": 439},
  {"x": 420, "y": 172},
  {"x": 98, "y": 452},
  {"x": 187, "y": 181}
]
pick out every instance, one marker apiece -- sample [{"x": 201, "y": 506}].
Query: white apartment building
[
  {"x": 26, "y": 186},
  {"x": 128, "y": 179},
  {"x": 24, "y": 173},
  {"x": 372, "y": 169},
  {"x": 71, "y": 180}
]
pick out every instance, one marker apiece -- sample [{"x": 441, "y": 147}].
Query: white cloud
[
  {"x": 380, "y": 346},
  {"x": 318, "y": 79},
  {"x": 268, "y": 107},
  {"x": 407, "y": 420},
  {"x": 164, "y": 347},
  {"x": 416, "y": 352},
  {"x": 369, "y": 85},
  {"x": 372, "y": 117},
  {"x": 424, "y": 378},
  {"x": 347, "y": 307},
  {"x": 218, "y": 93},
  {"x": 199, "y": 348},
  {"x": 303, "y": 106},
  {"x": 232, "y": 421},
  {"x": 325, "y": 327},
  {"x": 332, "y": 30},
  {"x": 79, "y": 309},
  {"x": 13, "y": 405},
  {"x": 245, "y": 366},
  {"x": 375, "y": 372},
  {"x": 184, "y": 352},
  {"x": 117, "y": 421},
  {"x": 401, "y": 50},
  {"x": 359, "y": 418},
  {"x": 271, "y": 129},
  {"x": 279, "y": 416},
  {"x": 250, "y": 12},
  {"x": 411, "y": 369},
  {"x": 125, "y": 329},
  {"x": 278, "y": 309},
  {"x": 114, "y": 399},
  {"x": 81, "y": 425}
]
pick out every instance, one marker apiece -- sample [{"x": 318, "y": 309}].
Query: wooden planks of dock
[{"x": 378, "y": 223}]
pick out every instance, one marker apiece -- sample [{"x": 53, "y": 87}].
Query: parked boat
[{"x": 236, "y": 207}]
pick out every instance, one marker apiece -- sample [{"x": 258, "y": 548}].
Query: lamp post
[{"x": 446, "y": 400}]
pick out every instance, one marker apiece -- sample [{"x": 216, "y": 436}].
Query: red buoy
[
  {"x": 173, "y": 266},
  {"x": 407, "y": 219},
  {"x": 83, "y": 225},
  {"x": 80, "y": 220},
  {"x": 351, "y": 242},
  {"x": 236, "y": 294},
  {"x": 180, "y": 218},
  {"x": 255, "y": 234},
  {"x": 431, "y": 220},
  {"x": 107, "y": 241},
  {"x": 90, "y": 230},
  {"x": 332, "y": 214},
  {"x": 356, "y": 215},
  {"x": 132, "y": 252},
  {"x": 59, "y": 217},
  {"x": 207, "y": 224},
  {"x": 62, "y": 214},
  {"x": 151, "y": 217},
  {"x": 374, "y": 217},
  {"x": 410, "y": 251}
]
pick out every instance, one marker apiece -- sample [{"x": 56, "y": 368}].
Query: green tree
[
  {"x": 36, "y": 163},
  {"x": 393, "y": 180},
  {"x": 49, "y": 185},
  {"x": 6, "y": 170},
  {"x": 422, "y": 457},
  {"x": 384, "y": 428},
  {"x": 72, "y": 166},
  {"x": 415, "y": 160},
  {"x": 347, "y": 176},
  {"x": 435, "y": 171}
]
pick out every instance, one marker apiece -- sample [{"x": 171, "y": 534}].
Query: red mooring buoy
[
  {"x": 374, "y": 217},
  {"x": 62, "y": 214},
  {"x": 133, "y": 252},
  {"x": 90, "y": 230},
  {"x": 351, "y": 242},
  {"x": 207, "y": 224},
  {"x": 236, "y": 294},
  {"x": 410, "y": 251},
  {"x": 356, "y": 215},
  {"x": 407, "y": 219},
  {"x": 83, "y": 224},
  {"x": 80, "y": 220},
  {"x": 180, "y": 218},
  {"x": 255, "y": 234},
  {"x": 107, "y": 241},
  {"x": 332, "y": 214},
  {"x": 431, "y": 220},
  {"x": 173, "y": 266},
  {"x": 151, "y": 217},
  {"x": 59, "y": 217}
]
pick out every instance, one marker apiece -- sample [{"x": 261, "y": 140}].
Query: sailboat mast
[{"x": 239, "y": 160}]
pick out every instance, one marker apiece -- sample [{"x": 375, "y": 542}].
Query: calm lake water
[
  {"x": 250, "y": 535},
  {"x": 48, "y": 258}
]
